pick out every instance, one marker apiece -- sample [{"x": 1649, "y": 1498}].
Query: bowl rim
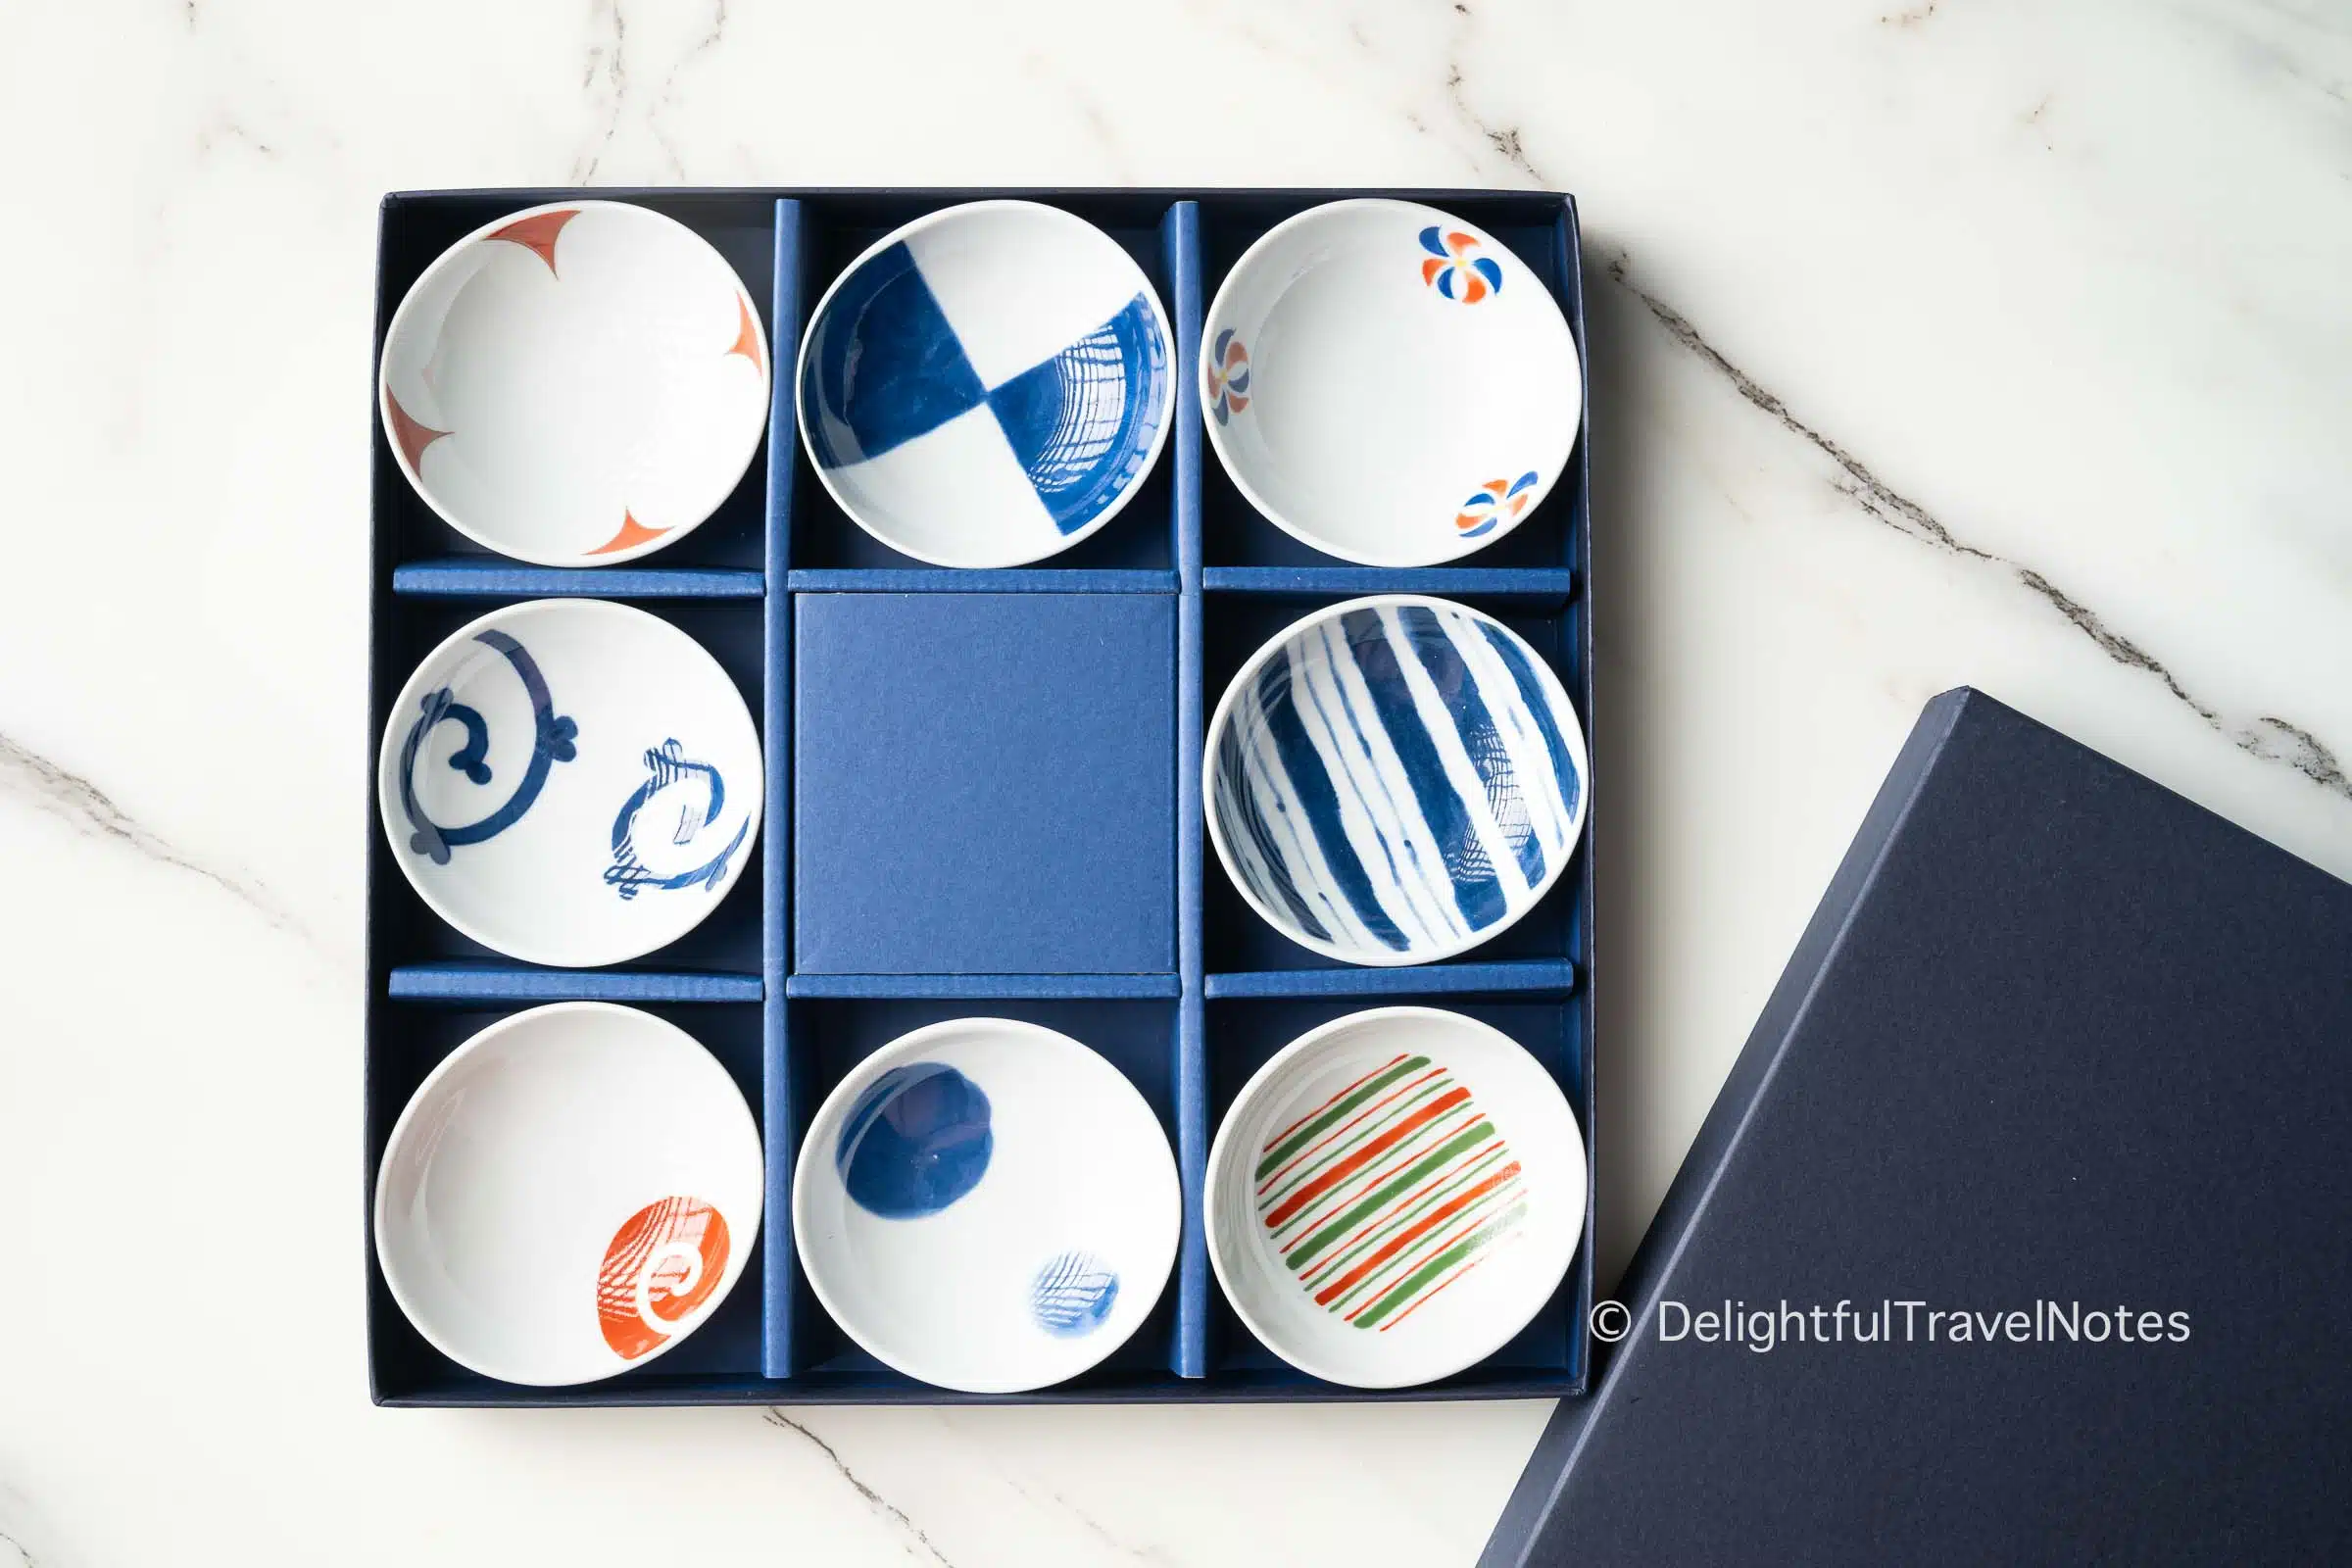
[
  {"x": 1579, "y": 754},
  {"x": 1221, "y": 1157},
  {"x": 862, "y": 1076},
  {"x": 739, "y": 1260},
  {"x": 405, "y": 702},
  {"x": 940, "y": 218},
  {"x": 757, "y": 430},
  {"x": 1252, "y": 257}
]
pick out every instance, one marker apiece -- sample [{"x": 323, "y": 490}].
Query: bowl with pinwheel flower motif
[{"x": 1389, "y": 383}]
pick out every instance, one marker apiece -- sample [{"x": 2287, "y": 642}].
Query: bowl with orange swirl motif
[
  {"x": 577, "y": 384},
  {"x": 568, "y": 1195}
]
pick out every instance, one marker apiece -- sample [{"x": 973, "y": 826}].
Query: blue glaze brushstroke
[
  {"x": 917, "y": 1139},
  {"x": 1083, "y": 421},
  {"x": 884, "y": 366},
  {"x": 1072, "y": 1295}
]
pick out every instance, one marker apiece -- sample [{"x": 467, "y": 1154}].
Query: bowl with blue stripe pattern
[
  {"x": 987, "y": 386},
  {"x": 1395, "y": 780}
]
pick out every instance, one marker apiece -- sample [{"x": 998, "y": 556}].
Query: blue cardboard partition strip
[
  {"x": 1535, "y": 585},
  {"x": 775, "y": 866},
  {"x": 1183, "y": 239},
  {"x": 496, "y": 577},
  {"x": 953, "y": 580},
  {"x": 470, "y": 981},
  {"x": 1043, "y": 723},
  {"x": 987, "y": 987},
  {"x": 1554, "y": 977}
]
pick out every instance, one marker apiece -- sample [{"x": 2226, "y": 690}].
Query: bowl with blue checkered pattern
[{"x": 987, "y": 386}]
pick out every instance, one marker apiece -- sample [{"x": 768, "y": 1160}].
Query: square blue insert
[{"x": 984, "y": 783}]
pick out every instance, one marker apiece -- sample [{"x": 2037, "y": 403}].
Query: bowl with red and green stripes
[{"x": 1394, "y": 1196}]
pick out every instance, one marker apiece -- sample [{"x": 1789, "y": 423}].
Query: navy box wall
[{"x": 1185, "y": 1027}]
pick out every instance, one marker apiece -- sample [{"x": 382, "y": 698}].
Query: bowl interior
[
  {"x": 1395, "y": 1195},
  {"x": 987, "y": 1205},
  {"x": 571, "y": 781},
  {"x": 988, "y": 385},
  {"x": 1395, "y": 780},
  {"x": 568, "y": 1195},
  {"x": 577, "y": 384},
  {"x": 1389, "y": 383}
]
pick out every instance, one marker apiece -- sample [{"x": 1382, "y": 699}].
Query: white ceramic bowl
[
  {"x": 568, "y": 1195},
  {"x": 1395, "y": 1195},
  {"x": 988, "y": 385},
  {"x": 1395, "y": 780},
  {"x": 1388, "y": 383},
  {"x": 571, "y": 781},
  {"x": 987, "y": 1205},
  {"x": 577, "y": 384}
]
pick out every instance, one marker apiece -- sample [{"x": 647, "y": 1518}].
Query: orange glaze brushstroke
[
  {"x": 1440, "y": 1285},
  {"x": 1377, "y": 1106},
  {"x": 1340, "y": 1250},
  {"x": 747, "y": 339},
  {"x": 1333, "y": 1101},
  {"x": 1476, "y": 1223},
  {"x": 1356, "y": 1162},
  {"x": 654, "y": 1226},
  {"x": 632, "y": 534},
  {"x": 410, "y": 434},
  {"x": 1398, "y": 1159},
  {"x": 537, "y": 234},
  {"x": 1419, "y": 1228}
]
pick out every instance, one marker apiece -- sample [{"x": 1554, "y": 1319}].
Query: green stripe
[
  {"x": 1468, "y": 1175},
  {"x": 1381, "y": 1278},
  {"x": 1468, "y": 1139},
  {"x": 1309, "y": 1217},
  {"x": 1438, "y": 1265},
  {"x": 1306, "y": 1135},
  {"x": 1336, "y": 1151}
]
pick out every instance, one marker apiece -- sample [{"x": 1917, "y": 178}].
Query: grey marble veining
[{"x": 1931, "y": 342}]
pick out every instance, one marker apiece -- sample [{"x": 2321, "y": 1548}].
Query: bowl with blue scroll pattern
[
  {"x": 987, "y": 1205},
  {"x": 987, "y": 386},
  {"x": 1395, "y": 780},
  {"x": 571, "y": 781}
]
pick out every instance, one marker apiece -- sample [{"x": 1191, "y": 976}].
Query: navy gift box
[
  {"x": 984, "y": 798},
  {"x": 2064, "y": 1052}
]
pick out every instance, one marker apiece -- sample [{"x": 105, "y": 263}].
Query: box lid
[{"x": 2057, "y": 1043}]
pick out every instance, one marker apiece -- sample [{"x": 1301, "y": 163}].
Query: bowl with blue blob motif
[
  {"x": 985, "y": 1205},
  {"x": 987, "y": 386},
  {"x": 1395, "y": 780}
]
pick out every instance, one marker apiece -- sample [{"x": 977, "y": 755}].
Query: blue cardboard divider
[{"x": 1178, "y": 591}]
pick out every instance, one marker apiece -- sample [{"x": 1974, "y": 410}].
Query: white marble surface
[{"x": 2002, "y": 343}]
